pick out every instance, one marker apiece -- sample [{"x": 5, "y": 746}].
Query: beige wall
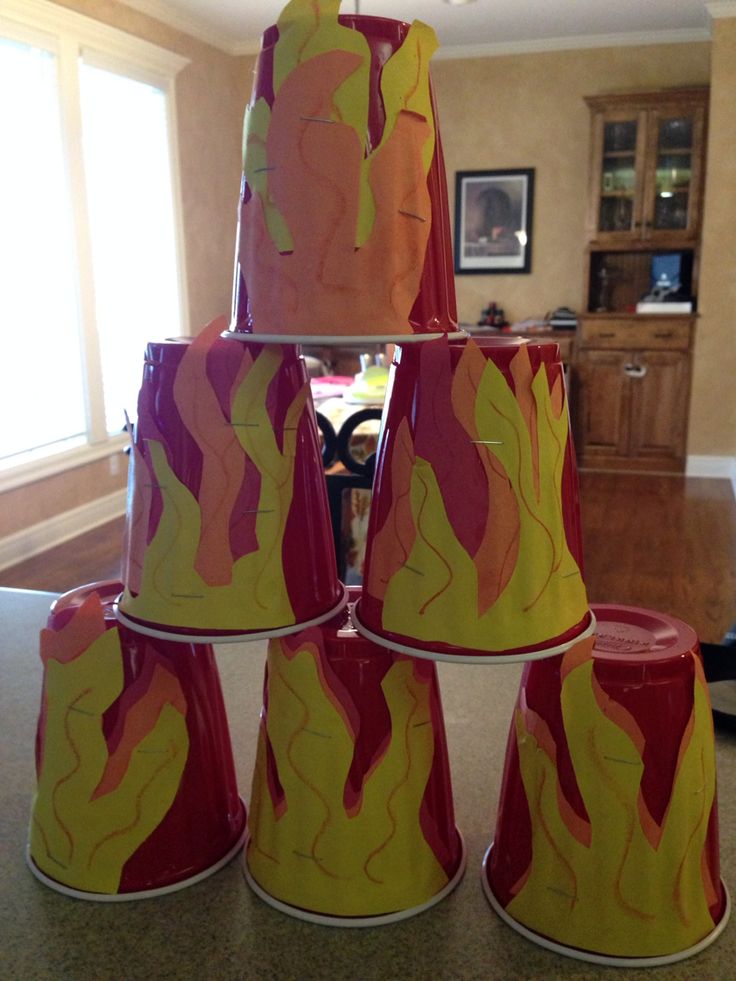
[
  {"x": 713, "y": 405},
  {"x": 211, "y": 93},
  {"x": 528, "y": 111}
]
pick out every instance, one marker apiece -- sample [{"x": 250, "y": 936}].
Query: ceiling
[{"x": 483, "y": 26}]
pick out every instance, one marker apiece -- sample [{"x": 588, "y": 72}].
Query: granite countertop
[{"x": 219, "y": 929}]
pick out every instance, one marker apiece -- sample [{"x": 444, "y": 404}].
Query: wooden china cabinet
[{"x": 632, "y": 370}]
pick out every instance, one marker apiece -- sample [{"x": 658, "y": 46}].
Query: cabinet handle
[
  {"x": 609, "y": 334},
  {"x": 664, "y": 333},
  {"x": 635, "y": 370}
]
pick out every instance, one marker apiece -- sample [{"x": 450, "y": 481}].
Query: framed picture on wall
[{"x": 493, "y": 221}]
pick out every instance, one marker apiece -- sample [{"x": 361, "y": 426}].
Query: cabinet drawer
[{"x": 661, "y": 334}]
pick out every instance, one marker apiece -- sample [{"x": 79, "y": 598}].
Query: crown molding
[
  {"x": 199, "y": 29},
  {"x": 629, "y": 40},
  {"x": 195, "y": 27},
  {"x": 721, "y": 8},
  {"x": 247, "y": 47}
]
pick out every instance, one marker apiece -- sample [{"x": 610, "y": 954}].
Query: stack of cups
[
  {"x": 344, "y": 239},
  {"x": 606, "y": 845},
  {"x": 473, "y": 555},
  {"x": 228, "y": 537}
]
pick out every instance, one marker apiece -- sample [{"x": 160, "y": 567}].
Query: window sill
[{"x": 52, "y": 464}]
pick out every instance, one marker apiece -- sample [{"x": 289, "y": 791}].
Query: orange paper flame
[{"x": 329, "y": 225}]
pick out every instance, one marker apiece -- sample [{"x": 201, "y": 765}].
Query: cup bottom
[
  {"x": 472, "y": 657},
  {"x": 192, "y": 636},
  {"x": 590, "y": 956},
  {"x": 123, "y": 897},
  {"x": 339, "y": 340},
  {"x": 380, "y": 919}
]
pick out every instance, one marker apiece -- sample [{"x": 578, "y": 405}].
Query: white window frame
[{"x": 71, "y": 37}]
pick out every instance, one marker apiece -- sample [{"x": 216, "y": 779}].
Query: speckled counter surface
[{"x": 219, "y": 930}]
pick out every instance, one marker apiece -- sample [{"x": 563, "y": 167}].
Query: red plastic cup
[
  {"x": 474, "y": 550},
  {"x": 606, "y": 845},
  {"x": 266, "y": 301},
  {"x": 136, "y": 791},
  {"x": 351, "y": 816},
  {"x": 228, "y": 525}
]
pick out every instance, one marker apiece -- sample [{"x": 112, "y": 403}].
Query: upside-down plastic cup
[
  {"x": 344, "y": 231},
  {"x": 606, "y": 845},
  {"x": 228, "y": 526},
  {"x": 136, "y": 793},
  {"x": 473, "y": 550},
  {"x": 351, "y": 817}
]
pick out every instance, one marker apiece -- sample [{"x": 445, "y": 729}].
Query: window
[{"x": 89, "y": 243}]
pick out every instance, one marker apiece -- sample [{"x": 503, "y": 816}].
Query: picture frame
[{"x": 493, "y": 221}]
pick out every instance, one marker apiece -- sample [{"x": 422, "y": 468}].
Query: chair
[{"x": 359, "y": 476}]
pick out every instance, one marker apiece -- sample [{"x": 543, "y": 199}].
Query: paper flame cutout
[
  {"x": 96, "y": 804},
  {"x": 331, "y": 227},
  {"x": 207, "y": 553},
  {"x": 320, "y": 842},
  {"x": 618, "y": 882},
  {"x": 515, "y": 582}
]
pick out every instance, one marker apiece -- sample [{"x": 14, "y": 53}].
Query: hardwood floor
[
  {"x": 91, "y": 557},
  {"x": 663, "y": 542}
]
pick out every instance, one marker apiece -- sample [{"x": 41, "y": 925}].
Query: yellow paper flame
[
  {"x": 310, "y": 852},
  {"x": 620, "y": 894},
  {"x": 434, "y": 595},
  {"x": 172, "y": 590},
  {"x": 79, "y": 836}
]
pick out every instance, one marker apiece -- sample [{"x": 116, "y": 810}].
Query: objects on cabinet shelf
[
  {"x": 606, "y": 845},
  {"x": 605, "y": 282},
  {"x": 667, "y": 294},
  {"x": 493, "y": 316},
  {"x": 136, "y": 793},
  {"x": 563, "y": 318}
]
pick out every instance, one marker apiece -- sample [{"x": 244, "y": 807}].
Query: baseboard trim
[
  {"x": 723, "y": 467},
  {"x": 29, "y": 542}
]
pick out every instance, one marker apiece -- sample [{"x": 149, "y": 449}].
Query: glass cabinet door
[
  {"x": 673, "y": 178},
  {"x": 618, "y": 192}
]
